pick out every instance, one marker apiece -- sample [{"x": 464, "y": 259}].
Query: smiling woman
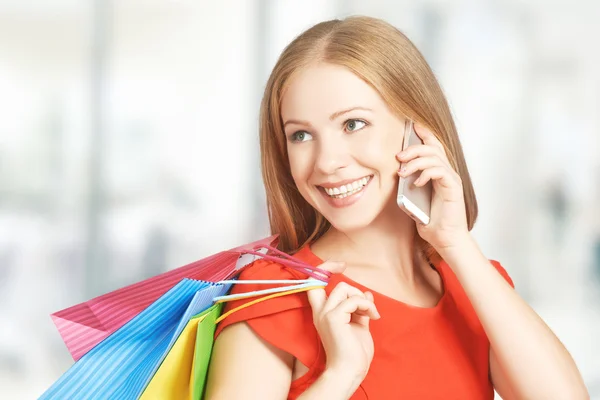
[
  {"x": 343, "y": 143},
  {"x": 412, "y": 310}
]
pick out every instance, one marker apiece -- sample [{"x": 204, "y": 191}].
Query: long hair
[{"x": 387, "y": 60}]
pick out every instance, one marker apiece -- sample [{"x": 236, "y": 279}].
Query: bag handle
[
  {"x": 319, "y": 279},
  {"x": 272, "y": 296},
  {"x": 298, "y": 284},
  {"x": 291, "y": 262}
]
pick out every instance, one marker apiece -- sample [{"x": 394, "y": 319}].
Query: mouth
[{"x": 347, "y": 190}]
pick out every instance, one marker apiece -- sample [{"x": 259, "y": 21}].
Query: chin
[
  {"x": 357, "y": 216},
  {"x": 349, "y": 227},
  {"x": 351, "y": 222}
]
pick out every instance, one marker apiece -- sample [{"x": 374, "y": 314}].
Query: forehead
[{"x": 320, "y": 90}]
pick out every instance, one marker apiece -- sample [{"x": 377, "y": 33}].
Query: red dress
[{"x": 420, "y": 353}]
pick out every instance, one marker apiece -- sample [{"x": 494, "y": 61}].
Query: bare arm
[
  {"x": 527, "y": 360},
  {"x": 330, "y": 386},
  {"x": 243, "y": 366}
]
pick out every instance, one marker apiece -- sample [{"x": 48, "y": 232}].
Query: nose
[{"x": 332, "y": 155}]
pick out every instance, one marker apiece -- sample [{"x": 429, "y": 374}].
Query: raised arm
[{"x": 527, "y": 361}]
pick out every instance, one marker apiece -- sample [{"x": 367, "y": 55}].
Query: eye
[
  {"x": 300, "y": 136},
  {"x": 353, "y": 125}
]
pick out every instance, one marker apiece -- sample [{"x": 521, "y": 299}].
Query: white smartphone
[{"x": 414, "y": 200}]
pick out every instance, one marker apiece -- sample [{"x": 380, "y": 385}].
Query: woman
[{"x": 418, "y": 312}]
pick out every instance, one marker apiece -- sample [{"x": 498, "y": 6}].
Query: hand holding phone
[{"x": 414, "y": 200}]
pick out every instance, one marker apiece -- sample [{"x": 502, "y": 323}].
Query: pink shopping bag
[{"x": 85, "y": 325}]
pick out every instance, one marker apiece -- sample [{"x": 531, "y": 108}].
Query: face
[{"x": 342, "y": 140}]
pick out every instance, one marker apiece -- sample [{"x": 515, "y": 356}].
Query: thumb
[{"x": 335, "y": 267}]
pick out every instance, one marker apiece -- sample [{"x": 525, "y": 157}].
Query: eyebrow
[{"x": 333, "y": 116}]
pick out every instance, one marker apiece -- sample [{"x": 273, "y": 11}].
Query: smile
[{"x": 346, "y": 190}]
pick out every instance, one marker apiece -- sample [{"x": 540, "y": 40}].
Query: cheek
[
  {"x": 379, "y": 150},
  {"x": 299, "y": 166}
]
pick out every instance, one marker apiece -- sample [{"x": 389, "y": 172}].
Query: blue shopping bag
[{"x": 121, "y": 366}]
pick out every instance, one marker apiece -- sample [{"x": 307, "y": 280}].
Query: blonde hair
[{"x": 387, "y": 60}]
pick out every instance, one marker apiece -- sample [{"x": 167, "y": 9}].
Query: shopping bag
[
  {"x": 183, "y": 373},
  {"x": 85, "y": 325},
  {"x": 121, "y": 366},
  {"x": 205, "y": 335}
]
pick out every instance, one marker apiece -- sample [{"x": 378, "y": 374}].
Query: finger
[
  {"x": 354, "y": 309},
  {"x": 428, "y": 137},
  {"x": 340, "y": 293},
  {"x": 369, "y": 296},
  {"x": 420, "y": 164},
  {"x": 355, "y": 304},
  {"x": 316, "y": 299},
  {"x": 422, "y": 150},
  {"x": 335, "y": 267},
  {"x": 439, "y": 174},
  {"x": 359, "y": 317}
]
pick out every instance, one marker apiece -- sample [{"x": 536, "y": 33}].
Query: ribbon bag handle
[
  {"x": 290, "y": 262},
  {"x": 298, "y": 289},
  {"x": 298, "y": 284},
  {"x": 318, "y": 279}
]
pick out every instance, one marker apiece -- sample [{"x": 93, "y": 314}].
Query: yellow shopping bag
[{"x": 175, "y": 379}]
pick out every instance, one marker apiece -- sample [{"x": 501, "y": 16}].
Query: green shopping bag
[{"x": 203, "y": 351}]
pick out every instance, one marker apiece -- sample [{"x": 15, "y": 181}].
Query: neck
[{"x": 387, "y": 245}]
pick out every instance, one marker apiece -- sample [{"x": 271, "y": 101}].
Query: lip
[
  {"x": 346, "y": 201},
  {"x": 341, "y": 183}
]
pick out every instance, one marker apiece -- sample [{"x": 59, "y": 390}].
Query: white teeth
[{"x": 349, "y": 189}]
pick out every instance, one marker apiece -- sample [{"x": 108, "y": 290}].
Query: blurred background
[{"x": 128, "y": 146}]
